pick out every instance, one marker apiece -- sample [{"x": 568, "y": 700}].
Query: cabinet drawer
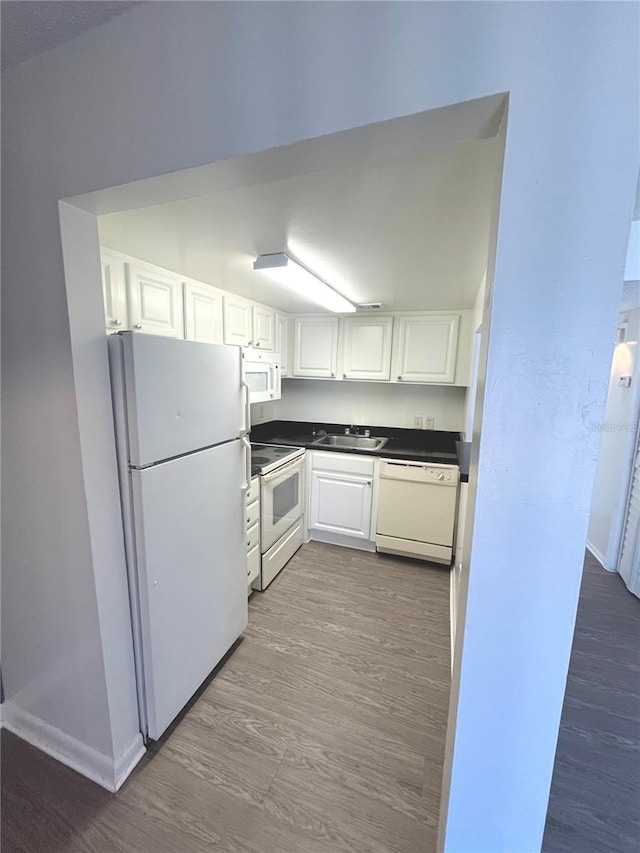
[
  {"x": 253, "y": 564},
  {"x": 253, "y": 537},
  {"x": 343, "y": 463},
  {"x": 253, "y": 514},
  {"x": 279, "y": 554},
  {"x": 253, "y": 492}
]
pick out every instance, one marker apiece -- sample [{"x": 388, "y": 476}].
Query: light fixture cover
[{"x": 283, "y": 269}]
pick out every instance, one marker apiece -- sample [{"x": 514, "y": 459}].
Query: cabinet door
[
  {"x": 315, "y": 347},
  {"x": 155, "y": 301},
  {"x": 282, "y": 342},
  {"x": 238, "y": 321},
  {"x": 263, "y": 327},
  {"x": 366, "y": 347},
  {"x": 202, "y": 313},
  {"x": 426, "y": 348},
  {"x": 341, "y": 503},
  {"x": 114, "y": 291}
]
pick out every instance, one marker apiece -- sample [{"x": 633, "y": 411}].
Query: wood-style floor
[
  {"x": 595, "y": 793},
  {"x": 323, "y": 732}
]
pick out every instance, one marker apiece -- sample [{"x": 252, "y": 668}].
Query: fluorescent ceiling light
[{"x": 285, "y": 270}]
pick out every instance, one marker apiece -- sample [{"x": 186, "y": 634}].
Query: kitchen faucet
[{"x": 355, "y": 430}]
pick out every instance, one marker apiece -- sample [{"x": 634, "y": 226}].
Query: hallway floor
[
  {"x": 595, "y": 793},
  {"x": 323, "y": 732}
]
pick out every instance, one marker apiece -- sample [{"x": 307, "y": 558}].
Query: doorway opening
[{"x": 403, "y": 213}]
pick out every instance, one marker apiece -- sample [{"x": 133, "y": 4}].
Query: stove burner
[{"x": 260, "y": 460}]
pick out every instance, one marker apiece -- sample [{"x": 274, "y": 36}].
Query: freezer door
[
  {"x": 191, "y": 565},
  {"x": 180, "y": 395}
]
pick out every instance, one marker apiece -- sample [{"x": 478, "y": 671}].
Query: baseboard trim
[
  {"x": 128, "y": 760},
  {"x": 594, "y": 551},
  {"x": 342, "y": 540},
  {"x": 84, "y": 759}
]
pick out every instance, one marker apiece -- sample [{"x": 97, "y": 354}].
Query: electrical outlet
[
  {"x": 260, "y": 413},
  {"x": 417, "y": 422},
  {"x": 428, "y": 422}
]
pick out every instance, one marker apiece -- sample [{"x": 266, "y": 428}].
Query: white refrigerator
[{"x": 180, "y": 411}]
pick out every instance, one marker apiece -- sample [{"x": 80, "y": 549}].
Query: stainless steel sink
[{"x": 360, "y": 442}]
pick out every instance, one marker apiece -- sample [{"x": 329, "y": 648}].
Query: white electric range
[{"x": 281, "y": 472}]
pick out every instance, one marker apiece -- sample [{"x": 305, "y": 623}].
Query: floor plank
[
  {"x": 323, "y": 732},
  {"x": 594, "y": 805}
]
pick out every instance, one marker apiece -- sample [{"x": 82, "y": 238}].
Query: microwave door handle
[
  {"x": 247, "y": 406},
  {"x": 247, "y": 462}
]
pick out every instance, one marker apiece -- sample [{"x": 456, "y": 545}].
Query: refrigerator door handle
[
  {"x": 247, "y": 406},
  {"x": 247, "y": 461}
]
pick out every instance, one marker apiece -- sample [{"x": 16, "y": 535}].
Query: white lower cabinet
[
  {"x": 253, "y": 566},
  {"x": 341, "y": 499},
  {"x": 252, "y": 526}
]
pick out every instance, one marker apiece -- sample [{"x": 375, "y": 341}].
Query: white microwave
[{"x": 261, "y": 373}]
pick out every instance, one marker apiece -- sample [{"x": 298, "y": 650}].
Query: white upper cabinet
[
  {"x": 155, "y": 301},
  {"x": 263, "y": 327},
  {"x": 366, "y": 347},
  {"x": 315, "y": 350},
  {"x": 238, "y": 321},
  {"x": 425, "y": 347},
  {"x": 114, "y": 291},
  {"x": 202, "y": 313},
  {"x": 281, "y": 345}
]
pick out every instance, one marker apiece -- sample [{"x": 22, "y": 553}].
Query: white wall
[
  {"x": 172, "y": 85},
  {"x": 632, "y": 266},
  {"x": 364, "y": 403},
  {"x": 618, "y": 434}
]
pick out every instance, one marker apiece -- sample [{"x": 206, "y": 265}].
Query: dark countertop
[{"x": 417, "y": 445}]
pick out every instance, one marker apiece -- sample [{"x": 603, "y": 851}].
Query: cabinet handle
[
  {"x": 368, "y": 482},
  {"x": 257, "y": 343},
  {"x": 399, "y": 378},
  {"x": 116, "y": 322},
  {"x": 344, "y": 375},
  {"x": 333, "y": 376},
  {"x": 248, "y": 519},
  {"x": 138, "y": 326},
  {"x": 248, "y": 542}
]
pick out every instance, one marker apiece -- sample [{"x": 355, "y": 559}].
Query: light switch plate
[{"x": 428, "y": 422}]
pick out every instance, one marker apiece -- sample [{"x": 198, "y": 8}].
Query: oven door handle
[
  {"x": 286, "y": 469},
  {"x": 247, "y": 462}
]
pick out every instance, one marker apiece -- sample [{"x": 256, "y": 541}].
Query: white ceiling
[
  {"x": 410, "y": 232},
  {"x": 30, "y": 27}
]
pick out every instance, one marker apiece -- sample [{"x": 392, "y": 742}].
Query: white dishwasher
[{"x": 417, "y": 509}]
